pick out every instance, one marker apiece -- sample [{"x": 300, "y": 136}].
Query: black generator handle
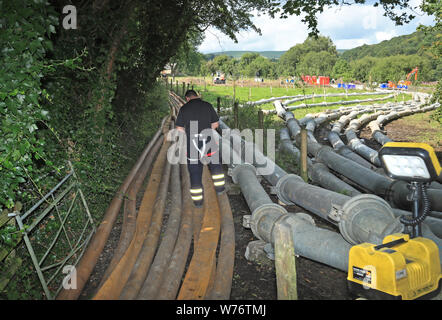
[{"x": 390, "y": 244}]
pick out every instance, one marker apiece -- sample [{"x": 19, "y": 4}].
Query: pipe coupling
[
  {"x": 321, "y": 150},
  {"x": 263, "y": 220},
  {"x": 281, "y": 185},
  {"x": 367, "y": 218}
]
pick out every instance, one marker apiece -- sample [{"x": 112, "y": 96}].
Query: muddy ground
[{"x": 257, "y": 280}]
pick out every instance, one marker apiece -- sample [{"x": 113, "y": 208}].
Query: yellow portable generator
[{"x": 400, "y": 268}]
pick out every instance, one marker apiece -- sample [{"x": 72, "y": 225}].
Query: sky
[{"x": 347, "y": 26}]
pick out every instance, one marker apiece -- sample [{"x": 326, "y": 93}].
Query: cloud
[
  {"x": 276, "y": 34},
  {"x": 347, "y": 26}
]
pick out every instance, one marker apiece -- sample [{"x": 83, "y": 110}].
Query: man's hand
[{"x": 215, "y": 125}]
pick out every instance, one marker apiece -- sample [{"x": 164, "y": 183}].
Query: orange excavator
[
  {"x": 407, "y": 82},
  {"x": 403, "y": 84}
]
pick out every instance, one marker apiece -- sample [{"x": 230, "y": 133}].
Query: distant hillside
[
  {"x": 238, "y": 54},
  {"x": 267, "y": 54},
  {"x": 415, "y": 43}
]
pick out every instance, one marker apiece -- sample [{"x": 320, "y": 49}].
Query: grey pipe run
[
  {"x": 311, "y": 242},
  {"x": 357, "y": 145},
  {"x": 302, "y": 97},
  {"x": 376, "y": 125},
  {"x": 364, "y": 218},
  {"x": 343, "y": 150},
  {"x": 395, "y": 191},
  {"x": 364, "y": 155},
  {"x": 340, "y": 147},
  {"x": 382, "y": 138},
  {"x": 291, "y": 189},
  {"x": 321, "y": 245},
  {"x": 318, "y": 172},
  {"x": 324, "y": 104}
]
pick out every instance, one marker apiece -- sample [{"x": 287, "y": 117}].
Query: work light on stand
[{"x": 417, "y": 164}]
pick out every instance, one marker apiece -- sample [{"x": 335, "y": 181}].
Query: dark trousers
[
  {"x": 195, "y": 168},
  {"x": 196, "y": 172}
]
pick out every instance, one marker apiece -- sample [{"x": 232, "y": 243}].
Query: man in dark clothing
[{"x": 196, "y": 118}]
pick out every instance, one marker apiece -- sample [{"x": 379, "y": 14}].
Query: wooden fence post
[
  {"x": 304, "y": 173},
  {"x": 236, "y": 115},
  {"x": 260, "y": 119},
  {"x": 285, "y": 263}
]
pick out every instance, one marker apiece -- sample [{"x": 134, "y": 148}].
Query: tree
[
  {"x": 316, "y": 63},
  {"x": 188, "y": 59},
  {"x": 264, "y": 66},
  {"x": 309, "y": 57},
  {"x": 246, "y": 60},
  {"x": 223, "y": 63},
  {"x": 362, "y": 68},
  {"x": 342, "y": 70}
]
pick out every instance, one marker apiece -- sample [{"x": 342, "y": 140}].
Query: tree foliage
[
  {"x": 399, "y": 11},
  {"x": 313, "y": 56}
]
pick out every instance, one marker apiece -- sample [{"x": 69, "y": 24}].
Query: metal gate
[{"x": 56, "y": 230}]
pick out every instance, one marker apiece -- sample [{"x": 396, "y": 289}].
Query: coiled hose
[{"x": 409, "y": 220}]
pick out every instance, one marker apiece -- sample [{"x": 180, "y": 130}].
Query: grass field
[{"x": 244, "y": 94}]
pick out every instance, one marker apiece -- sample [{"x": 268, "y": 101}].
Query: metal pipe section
[
  {"x": 323, "y": 104},
  {"x": 377, "y": 134},
  {"x": 356, "y": 145},
  {"x": 321, "y": 245},
  {"x": 318, "y": 172},
  {"x": 339, "y": 145},
  {"x": 317, "y": 244},
  {"x": 326, "y": 204},
  {"x": 395, "y": 191}
]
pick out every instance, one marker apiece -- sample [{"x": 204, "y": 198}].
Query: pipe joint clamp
[
  {"x": 280, "y": 187},
  {"x": 364, "y": 204},
  {"x": 264, "y": 218}
]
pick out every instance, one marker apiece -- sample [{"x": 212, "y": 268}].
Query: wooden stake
[
  {"x": 285, "y": 263},
  {"x": 260, "y": 119},
  {"x": 236, "y": 115},
  {"x": 304, "y": 173}
]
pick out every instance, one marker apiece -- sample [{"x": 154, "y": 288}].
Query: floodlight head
[{"x": 410, "y": 161}]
